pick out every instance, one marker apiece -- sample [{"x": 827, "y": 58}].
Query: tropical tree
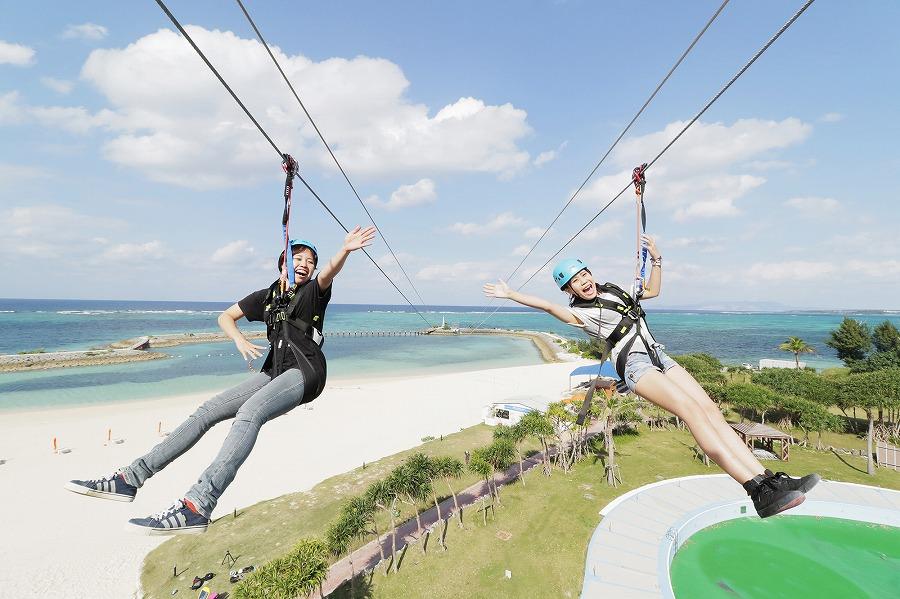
[
  {"x": 797, "y": 346},
  {"x": 299, "y": 572},
  {"x": 383, "y": 495},
  {"x": 801, "y": 383},
  {"x": 563, "y": 420},
  {"x": 851, "y": 340},
  {"x": 886, "y": 337},
  {"x": 414, "y": 478},
  {"x": 538, "y": 425},
  {"x": 479, "y": 464},
  {"x": 747, "y": 396},
  {"x": 352, "y": 522},
  {"x": 515, "y": 434},
  {"x": 448, "y": 468},
  {"x": 610, "y": 409},
  {"x": 872, "y": 391},
  {"x": 500, "y": 455}
]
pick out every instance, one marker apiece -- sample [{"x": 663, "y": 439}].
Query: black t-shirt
[{"x": 311, "y": 309}]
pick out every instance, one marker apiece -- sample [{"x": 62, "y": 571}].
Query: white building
[
  {"x": 765, "y": 363},
  {"x": 511, "y": 411}
]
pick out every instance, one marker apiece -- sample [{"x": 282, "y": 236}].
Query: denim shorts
[{"x": 639, "y": 364}]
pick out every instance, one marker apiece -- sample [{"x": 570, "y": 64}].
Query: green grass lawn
[{"x": 549, "y": 523}]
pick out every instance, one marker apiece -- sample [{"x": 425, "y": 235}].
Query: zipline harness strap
[
  {"x": 640, "y": 267},
  {"x": 289, "y": 165}
]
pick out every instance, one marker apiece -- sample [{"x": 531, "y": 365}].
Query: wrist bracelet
[{"x": 656, "y": 262}]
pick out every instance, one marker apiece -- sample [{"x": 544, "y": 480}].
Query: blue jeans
[
  {"x": 255, "y": 401},
  {"x": 638, "y": 364}
]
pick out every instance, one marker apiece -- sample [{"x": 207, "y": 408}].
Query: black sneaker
[
  {"x": 113, "y": 487},
  {"x": 804, "y": 484},
  {"x": 771, "y": 496},
  {"x": 178, "y": 519}
]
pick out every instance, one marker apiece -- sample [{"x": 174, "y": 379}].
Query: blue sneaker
[
  {"x": 178, "y": 519},
  {"x": 113, "y": 487}
]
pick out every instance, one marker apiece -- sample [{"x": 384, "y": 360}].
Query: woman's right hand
[
  {"x": 247, "y": 349},
  {"x": 500, "y": 290}
]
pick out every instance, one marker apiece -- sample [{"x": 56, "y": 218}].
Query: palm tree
[
  {"x": 381, "y": 495},
  {"x": 515, "y": 434},
  {"x": 538, "y": 425},
  {"x": 610, "y": 409},
  {"x": 478, "y": 464},
  {"x": 562, "y": 420},
  {"x": 500, "y": 455},
  {"x": 416, "y": 478},
  {"x": 797, "y": 346},
  {"x": 351, "y": 524},
  {"x": 447, "y": 468}
]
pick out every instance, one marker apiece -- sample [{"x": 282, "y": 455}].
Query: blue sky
[{"x": 126, "y": 172}]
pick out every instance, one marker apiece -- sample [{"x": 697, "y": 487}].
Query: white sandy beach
[{"x": 57, "y": 542}]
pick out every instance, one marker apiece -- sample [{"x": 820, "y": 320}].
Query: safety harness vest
[
  {"x": 627, "y": 331},
  {"x": 280, "y": 315}
]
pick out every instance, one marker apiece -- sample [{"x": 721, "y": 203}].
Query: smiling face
[
  {"x": 582, "y": 285},
  {"x": 304, "y": 264}
]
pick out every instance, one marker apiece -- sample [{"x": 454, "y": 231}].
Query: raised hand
[
  {"x": 500, "y": 290},
  {"x": 359, "y": 238},
  {"x": 650, "y": 244}
]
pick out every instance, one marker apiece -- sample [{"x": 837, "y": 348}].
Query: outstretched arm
[
  {"x": 356, "y": 239},
  {"x": 654, "y": 285},
  {"x": 501, "y": 290},
  {"x": 228, "y": 323}
]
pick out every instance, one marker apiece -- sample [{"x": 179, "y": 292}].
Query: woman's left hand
[
  {"x": 359, "y": 238},
  {"x": 650, "y": 244}
]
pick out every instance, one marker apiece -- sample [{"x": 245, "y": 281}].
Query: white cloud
[
  {"x": 179, "y": 126},
  {"x": 832, "y": 117},
  {"x": 10, "y": 173},
  {"x": 692, "y": 178},
  {"x": 875, "y": 269},
  {"x": 605, "y": 230},
  {"x": 813, "y": 206},
  {"x": 534, "y": 232},
  {"x": 420, "y": 192},
  {"x": 16, "y": 54},
  {"x": 705, "y": 245},
  {"x": 499, "y": 222},
  {"x": 458, "y": 271},
  {"x": 74, "y": 119},
  {"x": 60, "y": 86},
  {"x": 135, "y": 251},
  {"x": 85, "y": 31},
  {"x": 520, "y": 250},
  {"x": 797, "y": 270},
  {"x": 25, "y": 230},
  {"x": 236, "y": 252},
  {"x": 549, "y": 155}
]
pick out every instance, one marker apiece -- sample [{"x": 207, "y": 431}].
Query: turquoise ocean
[{"x": 51, "y": 325}]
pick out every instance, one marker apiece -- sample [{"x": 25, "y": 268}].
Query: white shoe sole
[
  {"x": 70, "y": 486},
  {"x": 138, "y": 529}
]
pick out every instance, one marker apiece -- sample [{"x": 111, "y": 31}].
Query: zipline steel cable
[
  {"x": 190, "y": 40},
  {"x": 328, "y": 147},
  {"x": 680, "y": 133},
  {"x": 612, "y": 147}
]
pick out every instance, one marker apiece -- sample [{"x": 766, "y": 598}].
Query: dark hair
[{"x": 298, "y": 248}]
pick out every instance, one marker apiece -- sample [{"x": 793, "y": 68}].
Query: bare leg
[
  {"x": 689, "y": 385},
  {"x": 661, "y": 390}
]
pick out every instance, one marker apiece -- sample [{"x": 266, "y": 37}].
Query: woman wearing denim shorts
[{"x": 605, "y": 312}]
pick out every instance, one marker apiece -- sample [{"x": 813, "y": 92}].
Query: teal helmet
[
  {"x": 566, "y": 269},
  {"x": 301, "y": 243}
]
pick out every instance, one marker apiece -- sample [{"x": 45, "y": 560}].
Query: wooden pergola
[{"x": 751, "y": 431}]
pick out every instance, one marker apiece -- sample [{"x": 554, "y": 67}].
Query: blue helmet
[
  {"x": 303, "y": 243},
  {"x": 566, "y": 269}
]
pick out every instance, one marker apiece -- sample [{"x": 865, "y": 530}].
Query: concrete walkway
[{"x": 631, "y": 550}]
